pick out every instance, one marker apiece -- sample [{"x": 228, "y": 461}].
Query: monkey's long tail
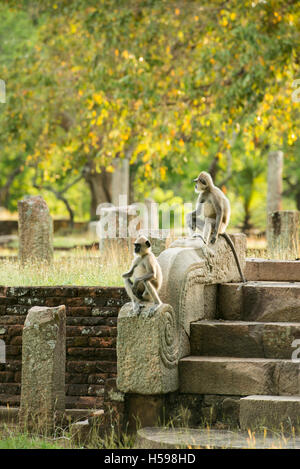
[{"x": 230, "y": 243}]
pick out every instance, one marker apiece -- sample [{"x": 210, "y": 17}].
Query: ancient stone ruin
[
  {"x": 283, "y": 234},
  {"x": 43, "y": 368},
  {"x": 228, "y": 345},
  {"x": 189, "y": 294},
  {"x": 35, "y": 231}
]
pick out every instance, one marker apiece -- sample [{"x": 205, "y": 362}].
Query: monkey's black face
[
  {"x": 199, "y": 181},
  {"x": 137, "y": 247},
  {"x": 201, "y": 184}
]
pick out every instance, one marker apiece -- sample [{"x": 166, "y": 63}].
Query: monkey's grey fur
[
  {"x": 147, "y": 276},
  {"x": 212, "y": 214}
]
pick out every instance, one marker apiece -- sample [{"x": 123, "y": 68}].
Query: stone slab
[
  {"x": 238, "y": 376},
  {"x": 244, "y": 339},
  {"x": 263, "y": 301},
  {"x": 35, "y": 231},
  {"x": 273, "y": 412},
  {"x": 230, "y": 301},
  {"x": 272, "y": 270},
  {"x": 271, "y": 301},
  {"x": 147, "y": 350},
  {"x": 180, "y": 438}
]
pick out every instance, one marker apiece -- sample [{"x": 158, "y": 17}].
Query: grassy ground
[
  {"x": 67, "y": 241},
  {"x": 82, "y": 268},
  {"x": 12, "y": 438},
  {"x": 22, "y": 441}
]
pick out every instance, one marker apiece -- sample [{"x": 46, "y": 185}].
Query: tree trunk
[
  {"x": 4, "y": 191},
  {"x": 214, "y": 167},
  {"x": 247, "y": 225},
  {"x": 297, "y": 198},
  {"x": 100, "y": 187}
]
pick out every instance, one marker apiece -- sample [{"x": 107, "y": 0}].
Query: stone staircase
[
  {"x": 243, "y": 358},
  {"x": 247, "y": 353}
]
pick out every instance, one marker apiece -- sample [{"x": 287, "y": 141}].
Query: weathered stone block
[
  {"x": 283, "y": 234},
  {"x": 230, "y": 301},
  {"x": 147, "y": 351},
  {"x": 243, "y": 339},
  {"x": 43, "y": 367},
  {"x": 273, "y": 412},
  {"x": 271, "y": 302},
  {"x": 272, "y": 270},
  {"x": 238, "y": 376},
  {"x": 35, "y": 230}
]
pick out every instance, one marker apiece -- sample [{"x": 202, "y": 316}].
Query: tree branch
[{"x": 59, "y": 194}]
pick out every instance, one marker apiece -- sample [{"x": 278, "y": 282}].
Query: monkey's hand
[
  {"x": 126, "y": 275},
  {"x": 213, "y": 238}
]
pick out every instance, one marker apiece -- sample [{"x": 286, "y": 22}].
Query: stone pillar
[
  {"x": 283, "y": 234},
  {"x": 43, "y": 368},
  {"x": 275, "y": 166},
  {"x": 35, "y": 230},
  {"x": 147, "y": 351},
  {"x": 120, "y": 180}
]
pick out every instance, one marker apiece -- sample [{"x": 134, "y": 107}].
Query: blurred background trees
[{"x": 174, "y": 86}]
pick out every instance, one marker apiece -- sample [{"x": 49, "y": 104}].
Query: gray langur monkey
[
  {"x": 212, "y": 214},
  {"x": 147, "y": 276}
]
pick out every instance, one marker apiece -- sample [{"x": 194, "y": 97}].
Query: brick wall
[{"x": 91, "y": 340}]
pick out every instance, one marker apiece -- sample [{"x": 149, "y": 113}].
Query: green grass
[
  {"x": 82, "y": 269},
  {"x": 12, "y": 437},
  {"x": 27, "y": 442},
  {"x": 67, "y": 241}
]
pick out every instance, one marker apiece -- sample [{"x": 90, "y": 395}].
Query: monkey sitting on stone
[
  {"x": 212, "y": 214},
  {"x": 147, "y": 277}
]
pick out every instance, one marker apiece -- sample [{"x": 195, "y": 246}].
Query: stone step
[
  {"x": 244, "y": 339},
  {"x": 238, "y": 376},
  {"x": 272, "y": 270},
  {"x": 180, "y": 438},
  {"x": 260, "y": 301},
  {"x": 272, "y": 412}
]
